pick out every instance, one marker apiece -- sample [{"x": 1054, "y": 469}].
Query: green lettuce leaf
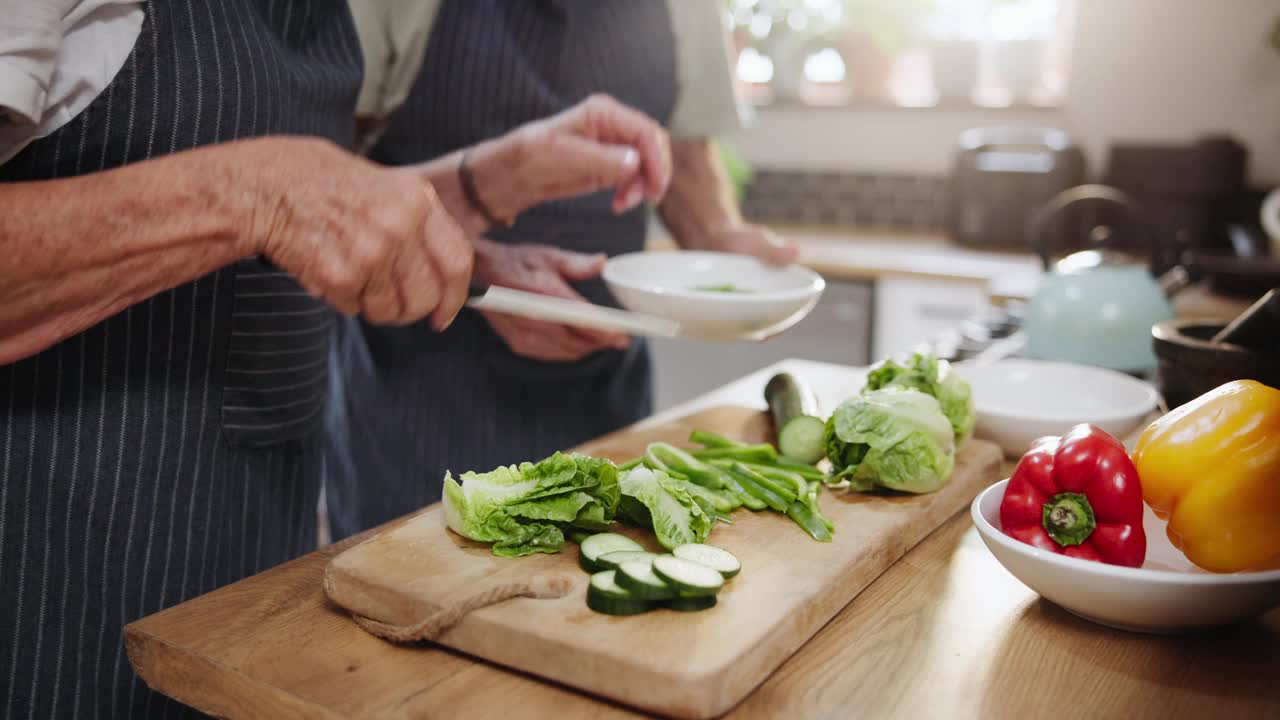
[
  {"x": 606, "y": 490},
  {"x": 896, "y": 438},
  {"x": 676, "y": 518},
  {"x": 564, "y": 507},
  {"x": 523, "y": 510},
  {"x": 935, "y": 377},
  {"x": 527, "y": 538}
]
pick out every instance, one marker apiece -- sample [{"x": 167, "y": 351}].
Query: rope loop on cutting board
[{"x": 437, "y": 623}]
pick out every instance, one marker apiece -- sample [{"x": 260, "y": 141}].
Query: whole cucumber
[
  {"x": 788, "y": 398},
  {"x": 795, "y": 418}
]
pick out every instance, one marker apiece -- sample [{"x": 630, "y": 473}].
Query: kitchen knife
[{"x": 570, "y": 312}]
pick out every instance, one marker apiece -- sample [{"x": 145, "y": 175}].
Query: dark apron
[
  {"x": 173, "y": 448},
  {"x": 409, "y": 403}
]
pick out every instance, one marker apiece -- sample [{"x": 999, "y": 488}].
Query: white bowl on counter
[
  {"x": 765, "y": 300},
  {"x": 1020, "y": 400},
  {"x": 1166, "y": 595}
]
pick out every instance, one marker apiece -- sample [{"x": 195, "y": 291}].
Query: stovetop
[{"x": 980, "y": 332}]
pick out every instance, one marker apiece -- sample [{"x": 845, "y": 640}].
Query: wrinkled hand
[
  {"x": 366, "y": 239},
  {"x": 755, "y": 240},
  {"x": 546, "y": 270},
  {"x": 595, "y": 145}
]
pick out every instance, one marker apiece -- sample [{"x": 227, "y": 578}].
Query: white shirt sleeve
[
  {"x": 393, "y": 36},
  {"x": 56, "y": 57},
  {"x": 30, "y": 39},
  {"x": 705, "y": 102}
]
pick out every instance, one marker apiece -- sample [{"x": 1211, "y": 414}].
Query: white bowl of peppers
[{"x": 1185, "y": 535}]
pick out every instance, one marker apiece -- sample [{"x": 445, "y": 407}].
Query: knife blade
[{"x": 570, "y": 312}]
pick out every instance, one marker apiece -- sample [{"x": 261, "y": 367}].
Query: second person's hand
[
  {"x": 598, "y": 144},
  {"x": 754, "y": 240},
  {"x": 546, "y": 270}
]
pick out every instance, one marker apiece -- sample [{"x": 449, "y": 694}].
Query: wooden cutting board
[{"x": 688, "y": 665}]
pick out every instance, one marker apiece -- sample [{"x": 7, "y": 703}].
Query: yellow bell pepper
[{"x": 1212, "y": 469}]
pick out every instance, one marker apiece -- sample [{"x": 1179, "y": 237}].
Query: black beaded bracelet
[{"x": 473, "y": 196}]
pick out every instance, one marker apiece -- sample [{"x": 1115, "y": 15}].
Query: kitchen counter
[
  {"x": 945, "y": 631},
  {"x": 863, "y": 254},
  {"x": 876, "y": 255}
]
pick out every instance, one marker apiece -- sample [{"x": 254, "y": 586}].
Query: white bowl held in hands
[
  {"x": 764, "y": 301},
  {"x": 1021, "y": 400},
  {"x": 1167, "y": 594}
]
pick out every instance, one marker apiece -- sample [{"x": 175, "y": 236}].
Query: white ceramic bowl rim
[
  {"x": 1151, "y": 398},
  {"x": 1167, "y": 577},
  {"x": 814, "y": 283}
]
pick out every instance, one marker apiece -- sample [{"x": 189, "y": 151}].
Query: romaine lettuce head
[
  {"x": 842, "y": 454},
  {"x": 928, "y": 374},
  {"x": 896, "y": 438},
  {"x": 676, "y": 518},
  {"x": 522, "y": 510}
]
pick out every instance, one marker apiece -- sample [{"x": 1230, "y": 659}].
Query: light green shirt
[{"x": 394, "y": 35}]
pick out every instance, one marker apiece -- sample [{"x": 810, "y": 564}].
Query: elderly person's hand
[
  {"x": 367, "y": 239},
  {"x": 546, "y": 270},
  {"x": 595, "y": 145}
]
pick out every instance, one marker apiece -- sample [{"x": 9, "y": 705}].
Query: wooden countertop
[{"x": 944, "y": 632}]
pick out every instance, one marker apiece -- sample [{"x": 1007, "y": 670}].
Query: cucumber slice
[
  {"x": 801, "y": 439},
  {"x": 686, "y": 577},
  {"x": 604, "y": 595},
  {"x": 691, "y": 604},
  {"x": 638, "y": 578},
  {"x": 722, "y": 561},
  {"x": 611, "y": 561},
  {"x": 592, "y": 548}
]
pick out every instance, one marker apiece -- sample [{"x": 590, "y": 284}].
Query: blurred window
[{"x": 909, "y": 53}]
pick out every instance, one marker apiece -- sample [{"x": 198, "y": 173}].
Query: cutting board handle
[{"x": 543, "y": 587}]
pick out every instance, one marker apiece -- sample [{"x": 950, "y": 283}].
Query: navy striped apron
[
  {"x": 174, "y": 447},
  {"x": 408, "y": 403}
]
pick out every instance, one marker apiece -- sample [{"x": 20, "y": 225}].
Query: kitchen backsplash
[{"x": 915, "y": 202}]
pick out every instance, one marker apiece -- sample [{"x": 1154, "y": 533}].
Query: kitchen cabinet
[{"x": 838, "y": 330}]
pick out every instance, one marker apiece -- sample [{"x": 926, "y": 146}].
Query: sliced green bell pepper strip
[
  {"x": 671, "y": 457},
  {"x": 812, "y": 522},
  {"x": 774, "y": 496},
  {"x": 709, "y": 439},
  {"x": 793, "y": 481}
]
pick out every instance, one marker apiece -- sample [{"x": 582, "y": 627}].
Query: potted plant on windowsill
[
  {"x": 876, "y": 34},
  {"x": 953, "y": 39}
]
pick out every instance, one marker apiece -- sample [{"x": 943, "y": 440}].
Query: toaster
[{"x": 1002, "y": 175}]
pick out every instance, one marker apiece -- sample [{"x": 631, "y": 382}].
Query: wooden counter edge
[
  {"x": 155, "y": 659},
  {"x": 150, "y": 657}
]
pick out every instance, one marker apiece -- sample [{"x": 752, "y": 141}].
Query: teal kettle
[{"x": 1096, "y": 306}]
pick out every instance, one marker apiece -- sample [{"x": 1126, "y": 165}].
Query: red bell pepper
[{"x": 1077, "y": 495}]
